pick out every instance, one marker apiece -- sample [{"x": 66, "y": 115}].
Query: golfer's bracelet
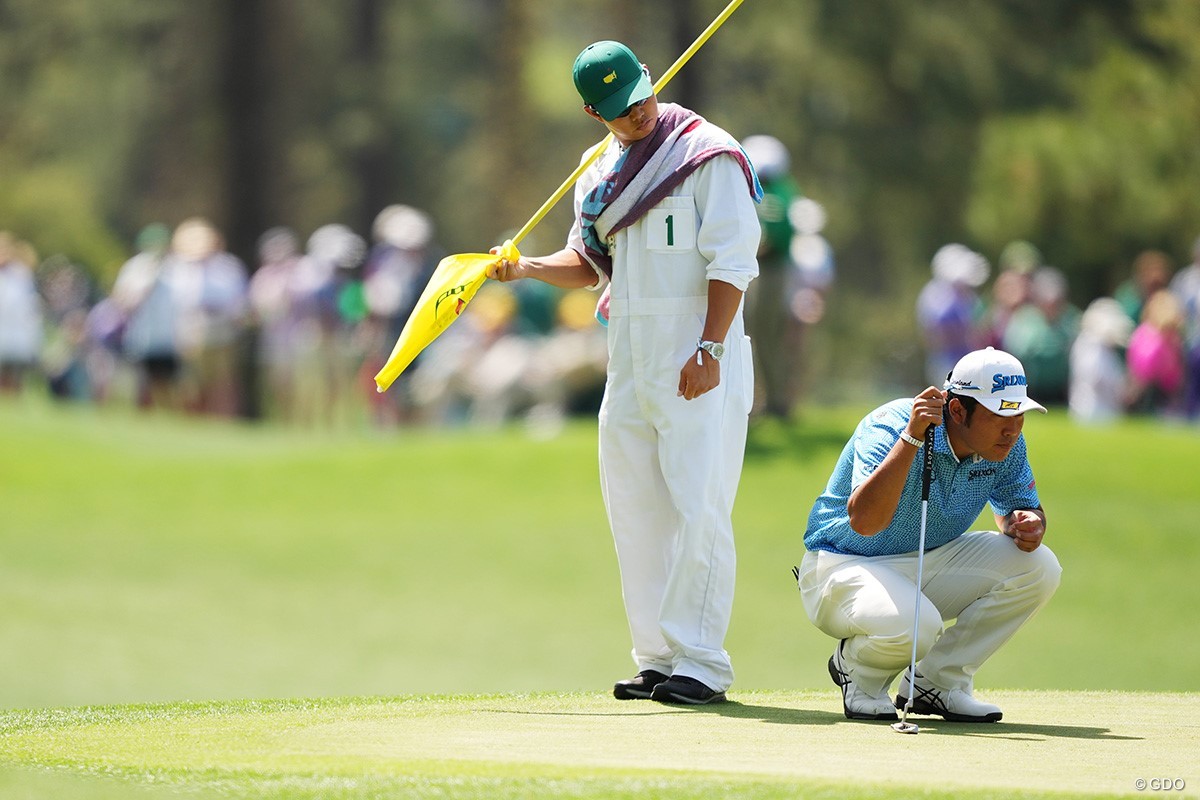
[{"x": 914, "y": 441}]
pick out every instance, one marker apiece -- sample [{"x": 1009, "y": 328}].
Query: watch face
[{"x": 715, "y": 349}]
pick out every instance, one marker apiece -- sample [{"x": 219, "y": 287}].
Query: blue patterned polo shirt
[{"x": 956, "y": 496}]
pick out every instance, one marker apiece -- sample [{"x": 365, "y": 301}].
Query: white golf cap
[{"x": 994, "y": 378}]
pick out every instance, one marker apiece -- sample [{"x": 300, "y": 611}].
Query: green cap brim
[{"x": 633, "y": 92}]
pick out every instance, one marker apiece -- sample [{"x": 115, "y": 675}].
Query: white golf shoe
[
  {"x": 955, "y": 705},
  {"x": 857, "y": 703}
]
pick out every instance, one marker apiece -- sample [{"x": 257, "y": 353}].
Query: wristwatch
[{"x": 714, "y": 349}]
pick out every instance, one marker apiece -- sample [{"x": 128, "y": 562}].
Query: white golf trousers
[
  {"x": 669, "y": 471},
  {"x": 980, "y": 579}
]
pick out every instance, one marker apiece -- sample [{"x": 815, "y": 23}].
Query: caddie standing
[{"x": 665, "y": 224}]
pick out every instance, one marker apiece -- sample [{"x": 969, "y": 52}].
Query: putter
[{"x": 904, "y": 726}]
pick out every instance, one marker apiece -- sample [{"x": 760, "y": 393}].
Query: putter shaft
[{"x": 904, "y": 726}]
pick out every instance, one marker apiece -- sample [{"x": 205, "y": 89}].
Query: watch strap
[{"x": 713, "y": 348}]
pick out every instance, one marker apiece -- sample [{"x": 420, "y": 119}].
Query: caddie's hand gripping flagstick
[
  {"x": 904, "y": 726},
  {"x": 458, "y": 277}
]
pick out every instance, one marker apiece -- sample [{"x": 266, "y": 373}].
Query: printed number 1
[{"x": 670, "y": 230}]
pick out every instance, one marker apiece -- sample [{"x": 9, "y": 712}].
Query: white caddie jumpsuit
[{"x": 669, "y": 467}]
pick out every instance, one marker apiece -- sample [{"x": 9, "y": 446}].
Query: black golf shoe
[
  {"x": 639, "y": 686},
  {"x": 686, "y": 691}
]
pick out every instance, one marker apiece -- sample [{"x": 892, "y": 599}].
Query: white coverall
[{"x": 669, "y": 467}]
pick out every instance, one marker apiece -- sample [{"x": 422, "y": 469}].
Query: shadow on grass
[
  {"x": 772, "y": 714},
  {"x": 1019, "y": 731},
  {"x": 1004, "y": 730},
  {"x": 780, "y": 716},
  {"x": 775, "y": 715}
]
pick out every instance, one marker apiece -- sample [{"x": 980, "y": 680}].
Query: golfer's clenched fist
[{"x": 1026, "y": 526}]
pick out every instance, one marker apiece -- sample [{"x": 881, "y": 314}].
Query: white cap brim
[{"x": 1010, "y": 406}]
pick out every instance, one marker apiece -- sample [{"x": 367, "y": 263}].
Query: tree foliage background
[{"x": 1074, "y": 124}]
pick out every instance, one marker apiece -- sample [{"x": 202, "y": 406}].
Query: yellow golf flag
[{"x": 454, "y": 282}]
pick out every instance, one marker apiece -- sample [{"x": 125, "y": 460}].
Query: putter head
[{"x": 905, "y": 727}]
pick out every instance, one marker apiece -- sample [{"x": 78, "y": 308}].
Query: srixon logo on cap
[{"x": 1000, "y": 382}]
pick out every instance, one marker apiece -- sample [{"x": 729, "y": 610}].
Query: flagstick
[{"x": 409, "y": 344}]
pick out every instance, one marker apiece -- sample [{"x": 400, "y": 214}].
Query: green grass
[
  {"x": 761, "y": 745},
  {"x": 164, "y": 560}
]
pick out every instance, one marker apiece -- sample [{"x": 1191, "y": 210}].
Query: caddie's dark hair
[{"x": 969, "y": 403}]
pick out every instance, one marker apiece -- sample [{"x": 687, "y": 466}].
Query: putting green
[{"x": 761, "y": 744}]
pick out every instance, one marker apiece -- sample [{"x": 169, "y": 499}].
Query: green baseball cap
[{"x": 610, "y": 78}]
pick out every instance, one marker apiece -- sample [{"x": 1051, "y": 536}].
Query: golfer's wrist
[{"x": 908, "y": 438}]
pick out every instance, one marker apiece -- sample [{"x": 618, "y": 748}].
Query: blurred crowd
[
  {"x": 795, "y": 274},
  {"x": 189, "y": 327},
  {"x": 1134, "y": 352},
  {"x": 298, "y": 336}
]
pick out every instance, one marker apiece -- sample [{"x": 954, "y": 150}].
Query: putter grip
[{"x": 927, "y": 463}]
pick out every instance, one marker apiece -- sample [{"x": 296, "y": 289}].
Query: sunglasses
[
  {"x": 624, "y": 113},
  {"x": 629, "y": 110}
]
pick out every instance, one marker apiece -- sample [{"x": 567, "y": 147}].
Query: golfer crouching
[{"x": 858, "y": 578}]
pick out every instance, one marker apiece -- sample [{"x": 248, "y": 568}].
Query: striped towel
[{"x": 649, "y": 170}]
